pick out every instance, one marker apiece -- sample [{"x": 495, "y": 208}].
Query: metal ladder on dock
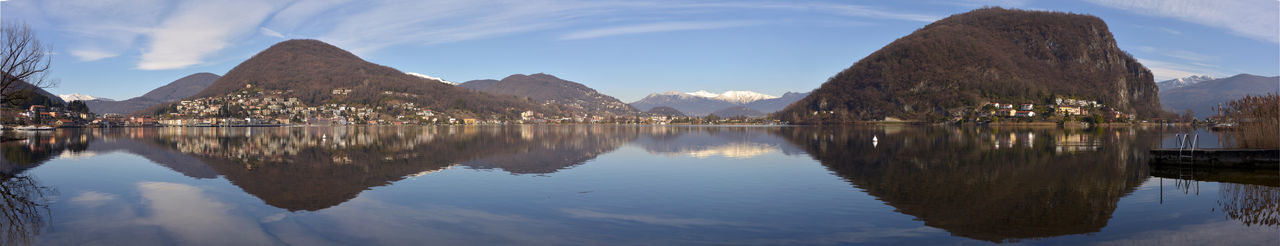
[{"x": 1187, "y": 144}]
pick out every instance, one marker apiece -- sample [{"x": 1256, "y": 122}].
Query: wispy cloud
[
  {"x": 1248, "y": 18},
  {"x": 850, "y": 10},
  {"x": 93, "y": 198},
  {"x": 270, "y": 33},
  {"x": 183, "y": 33},
  {"x": 382, "y": 25},
  {"x": 100, "y": 29},
  {"x": 1178, "y": 54},
  {"x": 192, "y": 217},
  {"x": 199, "y": 29},
  {"x": 647, "y": 219},
  {"x": 92, "y": 54},
  {"x": 1169, "y": 30},
  {"x": 865, "y": 11},
  {"x": 1163, "y": 70},
  {"x": 655, "y": 27},
  {"x": 385, "y": 24},
  {"x": 300, "y": 13},
  {"x": 980, "y": 3}
]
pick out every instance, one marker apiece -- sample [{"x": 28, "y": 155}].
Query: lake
[{"x": 630, "y": 185}]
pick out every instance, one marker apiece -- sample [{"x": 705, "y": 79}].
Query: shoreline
[{"x": 863, "y": 123}]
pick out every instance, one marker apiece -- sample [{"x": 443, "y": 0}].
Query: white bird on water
[{"x": 874, "y": 141}]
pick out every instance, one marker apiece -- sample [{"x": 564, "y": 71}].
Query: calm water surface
[{"x": 589, "y": 185}]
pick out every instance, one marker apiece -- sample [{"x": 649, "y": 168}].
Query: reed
[{"x": 1257, "y": 120}]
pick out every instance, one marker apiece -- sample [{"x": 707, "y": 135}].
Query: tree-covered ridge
[
  {"x": 986, "y": 55},
  {"x": 567, "y": 97}
]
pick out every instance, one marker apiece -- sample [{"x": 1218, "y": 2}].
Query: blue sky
[{"x": 123, "y": 48}]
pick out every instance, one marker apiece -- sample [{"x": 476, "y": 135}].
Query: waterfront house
[{"x": 1067, "y": 110}]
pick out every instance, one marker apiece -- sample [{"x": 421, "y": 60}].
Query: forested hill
[
  {"x": 174, "y": 91},
  {"x": 568, "y": 97},
  {"x": 985, "y": 55},
  {"x": 25, "y": 95},
  {"x": 310, "y": 70}
]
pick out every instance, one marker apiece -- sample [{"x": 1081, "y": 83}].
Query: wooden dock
[
  {"x": 1222, "y": 175},
  {"x": 1230, "y": 158}
]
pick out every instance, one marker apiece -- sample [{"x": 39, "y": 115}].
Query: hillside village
[{"x": 1061, "y": 109}]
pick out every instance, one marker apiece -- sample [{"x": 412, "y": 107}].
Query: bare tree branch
[{"x": 24, "y": 66}]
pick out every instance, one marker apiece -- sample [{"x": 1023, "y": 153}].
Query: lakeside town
[{"x": 257, "y": 107}]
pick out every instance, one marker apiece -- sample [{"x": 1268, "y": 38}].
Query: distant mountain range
[
  {"x": 734, "y": 96},
  {"x": 171, "y": 92},
  {"x": 1184, "y": 81},
  {"x": 567, "y": 96},
  {"x": 985, "y": 55},
  {"x": 775, "y": 104},
  {"x": 701, "y": 103},
  {"x": 311, "y": 70},
  {"x": 737, "y": 111},
  {"x": 1203, "y": 97}
]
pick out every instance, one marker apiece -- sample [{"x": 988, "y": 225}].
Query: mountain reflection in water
[
  {"x": 996, "y": 185},
  {"x": 988, "y": 185}
]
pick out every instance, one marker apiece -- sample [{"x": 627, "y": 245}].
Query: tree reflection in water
[
  {"x": 1249, "y": 196},
  {"x": 1250, "y": 204},
  {"x": 24, "y": 203},
  {"x": 24, "y": 207}
]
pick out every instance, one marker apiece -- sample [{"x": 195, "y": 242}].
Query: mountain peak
[
  {"x": 428, "y": 77},
  {"x": 738, "y": 97},
  {"x": 1202, "y": 97},
  {"x": 567, "y": 96},
  {"x": 1184, "y": 81},
  {"x": 703, "y": 102},
  {"x": 78, "y": 96},
  {"x": 703, "y": 93},
  {"x": 949, "y": 67},
  {"x": 310, "y": 70},
  {"x": 743, "y": 96},
  {"x": 544, "y": 76},
  {"x": 308, "y": 47}
]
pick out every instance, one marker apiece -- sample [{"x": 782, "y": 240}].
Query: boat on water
[{"x": 34, "y": 128}]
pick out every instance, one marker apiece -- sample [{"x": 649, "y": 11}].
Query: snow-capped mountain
[
  {"x": 733, "y": 96},
  {"x": 703, "y": 102},
  {"x": 701, "y": 93},
  {"x": 431, "y": 78},
  {"x": 77, "y": 96},
  {"x": 1180, "y": 82}
]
